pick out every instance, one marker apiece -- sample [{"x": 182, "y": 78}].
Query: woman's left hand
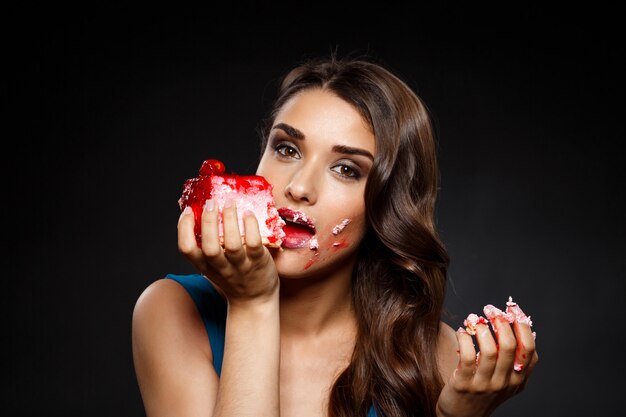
[{"x": 480, "y": 383}]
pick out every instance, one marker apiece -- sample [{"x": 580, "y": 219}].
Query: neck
[{"x": 313, "y": 306}]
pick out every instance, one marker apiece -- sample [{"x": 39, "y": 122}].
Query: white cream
[{"x": 339, "y": 228}]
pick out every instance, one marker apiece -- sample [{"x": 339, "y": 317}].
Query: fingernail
[
  {"x": 472, "y": 321},
  {"x": 228, "y": 203},
  {"x": 209, "y": 205},
  {"x": 518, "y": 367},
  {"x": 492, "y": 313},
  {"x": 185, "y": 211}
]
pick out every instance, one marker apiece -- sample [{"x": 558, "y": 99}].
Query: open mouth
[
  {"x": 299, "y": 228},
  {"x": 296, "y": 218}
]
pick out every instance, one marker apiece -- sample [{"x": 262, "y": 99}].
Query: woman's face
[{"x": 318, "y": 157}]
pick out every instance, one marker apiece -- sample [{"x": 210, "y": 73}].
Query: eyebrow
[
  {"x": 348, "y": 150},
  {"x": 352, "y": 151},
  {"x": 290, "y": 130}
]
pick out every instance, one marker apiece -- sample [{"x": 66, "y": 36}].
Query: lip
[
  {"x": 299, "y": 228},
  {"x": 297, "y": 217}
]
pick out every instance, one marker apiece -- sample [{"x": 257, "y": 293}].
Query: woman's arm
[
  {"x": 173, "y": 365},
  {"x": 171, "y": 353},
  {"x": 246, "y": 275}
]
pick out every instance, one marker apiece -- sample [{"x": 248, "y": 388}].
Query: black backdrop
[{"x": 108, "y": 110}]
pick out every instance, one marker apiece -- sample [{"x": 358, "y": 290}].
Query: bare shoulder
[
  {"x": 165, "y": 308},
  {"x": 162, "y": 291},
  {"x": 447, "y": 347},
  {"x": 171, "y": 348}
]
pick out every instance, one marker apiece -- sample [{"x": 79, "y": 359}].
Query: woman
[{"x": 350, "y": 325}]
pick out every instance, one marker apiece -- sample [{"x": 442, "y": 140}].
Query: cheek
[
  {"x": 336, "y": 242},
  {"x": 344, "y": 235}
]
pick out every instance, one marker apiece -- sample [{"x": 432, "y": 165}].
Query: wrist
[{"x": 259, "y": 306}]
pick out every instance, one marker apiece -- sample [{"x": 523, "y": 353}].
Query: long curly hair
[{"x": 399, "y": 280}]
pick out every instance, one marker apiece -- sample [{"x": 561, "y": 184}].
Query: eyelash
[
  {"x": 355, "y": 175},
  {"x": 355, "y": 172},
  {"x": 279, "y": 147}
]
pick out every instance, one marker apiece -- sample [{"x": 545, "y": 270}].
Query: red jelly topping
[
  {"x": 212, "y": 167},
  {"x": 196, "y": 191}
]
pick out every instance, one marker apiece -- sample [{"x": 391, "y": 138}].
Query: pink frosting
[
  {"x": 339, "y": 228},
  {"x": 514, "y": 309},
  {"x": 472, "y": 321}
]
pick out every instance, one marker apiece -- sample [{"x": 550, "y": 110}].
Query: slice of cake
[{"x": 251, "y": 192}]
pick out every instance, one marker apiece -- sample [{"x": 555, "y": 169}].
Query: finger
[
  {"x": 528, "y": 371},
  {"x": 186, "y": 237},
  {"x": 522, "y": 330},
  {"x": 467, "y": 358},
  {"x": 254, "y": 243},
  {"x": 507, "y": 345},
  {"x": 525, "y": 345},
  {"x": 211, "y": 247},
  {"x": 233, "y": 248},
  {"x": 187, "y": 243},
  {"x": 487, "y": 358}
]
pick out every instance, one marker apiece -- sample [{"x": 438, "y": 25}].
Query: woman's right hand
[{"x": 243, "y": 271}]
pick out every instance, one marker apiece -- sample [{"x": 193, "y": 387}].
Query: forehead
[{"x": 326, "y": 118}]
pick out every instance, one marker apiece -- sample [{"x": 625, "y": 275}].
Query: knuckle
[
  {"x": 185, "y": 247},
  {"x": 480, "y": 388},
  {"x": 498, "y": 385},
  {"x": 233, "y": 251},
  {"x": 489, "y": 354},
  {"x": 211, "y": 252},
  {"x": 255, "y": 252},
  {"x": 507, "y": 346},
  {"x": 462, "y": 387},
  {"x": 468, "y": 361},
  {"x": 534, "y": 359}
]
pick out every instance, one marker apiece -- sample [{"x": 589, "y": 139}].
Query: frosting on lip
[
  {"x": 297, "y": 217},
  {"x": 299, "y": 229}
]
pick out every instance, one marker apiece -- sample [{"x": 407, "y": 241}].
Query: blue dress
[{"x": 212, "y": 309}]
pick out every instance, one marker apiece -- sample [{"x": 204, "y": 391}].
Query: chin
[
  {"x": 293, "y": 264},
  {"x": 306, "y": 263}
]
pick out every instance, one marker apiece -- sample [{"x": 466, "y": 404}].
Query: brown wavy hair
[{"x": 399, "y": 280}]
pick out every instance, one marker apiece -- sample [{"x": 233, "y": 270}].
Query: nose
[{"x": 303, "y": 186}]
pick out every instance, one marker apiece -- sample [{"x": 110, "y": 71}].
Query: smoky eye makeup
[
  {"x": 347, "y": 170},
  {"x": 284, "y": 148}
]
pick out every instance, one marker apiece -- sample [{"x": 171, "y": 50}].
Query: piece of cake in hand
[{"x": 248, "y": 193}]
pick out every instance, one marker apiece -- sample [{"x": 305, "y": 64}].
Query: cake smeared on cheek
[
  {"x": 340, "y": 245},
  {"x": 326, "y": 244},
  {"x": 311, "y": 261},
  {"x": 339, "y": 228}
]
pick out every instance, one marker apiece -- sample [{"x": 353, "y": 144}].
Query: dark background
[{"x": 108, "y": 110}]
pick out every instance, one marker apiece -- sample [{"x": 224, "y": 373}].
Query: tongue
[{"x": 296, "y": 235}]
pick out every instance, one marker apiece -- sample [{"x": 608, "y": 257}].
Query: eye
[
  {"x": 347, "y": 171},
  {"x": 286, "y": 151}
]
